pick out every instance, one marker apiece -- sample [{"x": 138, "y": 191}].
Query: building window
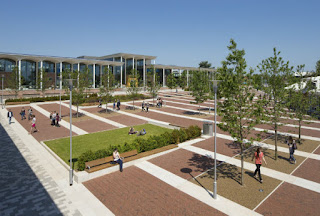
[
  {"x": 7, "y": 65},
  {"x": 28, "y": 74}
]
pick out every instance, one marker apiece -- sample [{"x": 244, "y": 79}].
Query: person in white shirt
[
  {"x": 117, "y": 158},
  {"x": 33, "y": 125}
]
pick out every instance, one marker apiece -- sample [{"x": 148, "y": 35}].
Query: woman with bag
[{"x": 258, "y": 155}]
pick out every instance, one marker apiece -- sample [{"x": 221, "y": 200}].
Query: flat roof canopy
[
  {"x": 55, "y": 59},
  {"x": 159, "y": 66},
  {"x": 124, "y": 55}
]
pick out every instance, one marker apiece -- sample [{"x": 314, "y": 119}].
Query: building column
[
  {"x": 125, "y": 71},
  {"x": 101, "y": 72},
  {"x": 19, "y": 67},
  {"x": 41, "y": 73},
  {"x": 144, "y": 72},
  {"x": 133, "y": 63},
  {"x": 163, "y": 77},
  {"x": 121, "y": 72},
  {"x": 60, "y": 75},
  {"x": 187, "y": 78},
  {"x": 94, "y": 76}
]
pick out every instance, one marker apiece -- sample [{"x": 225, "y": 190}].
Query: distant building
[{"x": 120, "y": 64}]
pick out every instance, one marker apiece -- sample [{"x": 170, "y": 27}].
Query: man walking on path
[{"x": 10, "y": 115}]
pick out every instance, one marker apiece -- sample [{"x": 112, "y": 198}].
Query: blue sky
[{"x": 177, "y": 32}]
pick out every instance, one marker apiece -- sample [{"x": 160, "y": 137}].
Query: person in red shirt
[{"x": 258, "y": 155}]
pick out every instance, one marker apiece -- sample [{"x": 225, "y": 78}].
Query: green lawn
[{"x": 99, "y": 140}]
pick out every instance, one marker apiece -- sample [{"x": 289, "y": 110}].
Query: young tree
[
  {"x": 108, "y": 84},
  {"x": 153, "y": 85},
  {"x": 13, "y": 81},
  {"x": 43, "y": 81},
  {"x": 85, "y": 81},
  {"x": 301, "y": 98},
  {"x": 204, "y": 64},
  {"x": 238, "y": 110},
  {"x": 198, "y": 89},
  {"x": 171, "y": 81},
  {"x": 318, "y": 68},
  {"x": 133, "y": 89},
  {"x": 276, "y": 74},
  {"x": 182, "y": 81}
]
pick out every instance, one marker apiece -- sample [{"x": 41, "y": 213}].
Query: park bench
[
  {"x": 95, "y": 165},
  {"x": 17, "y": 102}
]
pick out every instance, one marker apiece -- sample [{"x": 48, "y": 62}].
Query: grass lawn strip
[
  {"x": 99, "y": 140},
  {"x": 228, "y": 182},
  {"x": 305, "y": 145}
]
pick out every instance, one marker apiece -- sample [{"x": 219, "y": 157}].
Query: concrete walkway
[{"x": 25, "y": 192}]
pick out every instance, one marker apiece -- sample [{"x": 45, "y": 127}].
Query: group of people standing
[
  {"x": 159, "y": 102},
  {"x": 145, "y": 106},
  {"x": 54, "y": 119}
]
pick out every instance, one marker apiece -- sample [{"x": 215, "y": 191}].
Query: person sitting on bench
[
  {"x": 131, "y": 131},
  {"x": 117, "y": 158}
]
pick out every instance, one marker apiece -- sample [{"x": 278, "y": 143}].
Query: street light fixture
[
  {"x": 2, "y": 77},
  {"x": 70, "y": 171},
  {"x": 215, "y": 84}
]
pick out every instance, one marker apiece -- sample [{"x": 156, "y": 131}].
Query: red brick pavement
[
  {"x": 317, "y": 151},
  {"x": 122, "y": 119},
  {"x": 135, "y": 192},
  {"x": 289, "y": 199},
  {"x": 50, "y": 107},
  {"x": 180, "y": 160},
  {"x": 46, "y": 131},
  {"x": 310, "y": 170}
]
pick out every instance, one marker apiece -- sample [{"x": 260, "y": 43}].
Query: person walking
[
  {"x": 147, "y": 106},
  {"x": 23, "y": 113},
  {"x": 57, "y": 120},
  {"x": 114, "y": 104},
  {"x": 30, "y": 113},
  {"x": 54, "y": 115},
  {"x": 33, "y": 125},
  {"x": 100, "y": 103},
  {"x": 10, "y": 115},
  {"x": 142, "y": 106},
  {"x": 292, "y": 146},
  {"x": 117, "y": 158},
  {"x": 258, "y": 155}
]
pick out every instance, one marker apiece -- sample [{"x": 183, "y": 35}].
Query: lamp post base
[
  {"x": 70, "y": 177},
  {"x": 215, "y": 190}
]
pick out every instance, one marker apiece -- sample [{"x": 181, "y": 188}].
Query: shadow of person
[{"x": 251, "y": 174}]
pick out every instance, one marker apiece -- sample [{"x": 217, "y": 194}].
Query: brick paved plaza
[{"x": 174, "y": 182}]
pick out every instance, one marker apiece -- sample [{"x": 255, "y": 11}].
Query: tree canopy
[{"x": 204, "y": 64}]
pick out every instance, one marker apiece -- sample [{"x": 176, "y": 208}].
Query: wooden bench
[
  {"x": 17, "y": 102},
  {"x": 95, "y": 165}
]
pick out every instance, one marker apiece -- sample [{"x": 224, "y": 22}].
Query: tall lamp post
[
  {"x": 70, "y": 171},
  {"x": 2, "y": 77},
  {"x": 215, "y": 89}
]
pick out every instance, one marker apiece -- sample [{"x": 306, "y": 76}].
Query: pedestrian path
[
  {"x": 116, "y": 124},
  {"x": 222, "y": 204},
  {"x": 266, "y": 171},
  {"x": 63, "y": 123},
  {"x": 37, "y": 184}
]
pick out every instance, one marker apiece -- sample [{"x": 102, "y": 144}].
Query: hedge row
[
  {"x": 39, "y": 99},
  {"x": 91, "y": 99},
  {"x": 142, "y": 145}
]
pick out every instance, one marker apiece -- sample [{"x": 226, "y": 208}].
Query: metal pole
[
  {"x": 2, "y": 92},
  {"x": 60, "y": 105},
  {"x": 215, "y": 144},
  {"x": 70, "y": 174}
]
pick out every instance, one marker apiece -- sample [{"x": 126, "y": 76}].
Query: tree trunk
[
  {"x": 106, "y": 106},
  {"x": 133, "y": 105},
  {"x": 199, "y": 109},
  {"x": 299, "y": 131},
  {"x": 241, "y": 147},
  {"x": 77, "y": 110},
  {"x": 275, "y": 144}
]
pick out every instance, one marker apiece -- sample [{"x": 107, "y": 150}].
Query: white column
[
  {"x": 101, "y": 72},
  {"x": 144, "y": 72},
  {"x": 125, "y": 71},
  {"x": 19, "y": 67},
  {"x": 187, "y": 78},
  {"x": 121, "y": 73},
  {"x": 133, "y": 63},
  {"x": 163, "y": 77},
  {"x": 60, "y": 75},
  {"x": 41, "y": 73},
  {"x": 94, "y": 76}
]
